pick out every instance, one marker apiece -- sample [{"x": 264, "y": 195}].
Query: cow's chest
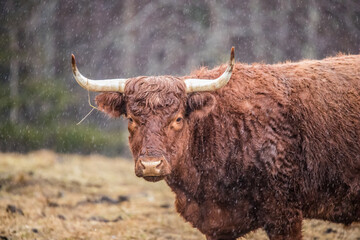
[{"x": 212, "y": 218}]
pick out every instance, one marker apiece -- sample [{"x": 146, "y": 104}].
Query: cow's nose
[{"x": 151, "y": 167}]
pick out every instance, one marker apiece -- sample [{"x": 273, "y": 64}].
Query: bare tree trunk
[
  {"x": 217, "y": 33},
  {"x": 14, "y": 70},
  {"x": 49, "y": 39},
  {"x": 129, "y": 40},
  {"x": 40, "y": 28},
  {"x": 256, "y": 21},
  {"x": 217, "y": 38},
  {"x": 310, "y": 49},
  {"x": 283, "y": 31}
]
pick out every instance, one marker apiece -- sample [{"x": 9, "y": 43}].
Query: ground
[{"x": 44, "y": 195}]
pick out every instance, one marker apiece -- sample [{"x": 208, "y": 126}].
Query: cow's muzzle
[{"x": 152, "y": 168}]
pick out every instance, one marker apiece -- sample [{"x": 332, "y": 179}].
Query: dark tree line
[{"x": 40, "y": 102}]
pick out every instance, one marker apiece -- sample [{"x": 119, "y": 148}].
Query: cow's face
[{"x": 159, "y": 113}]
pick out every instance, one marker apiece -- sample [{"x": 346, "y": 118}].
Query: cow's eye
[
  {"x": 130, "y": 119},
  {"x": 178, "y": 119}
]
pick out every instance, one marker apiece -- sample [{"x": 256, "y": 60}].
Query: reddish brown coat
[{"x": 277, "y": 144}]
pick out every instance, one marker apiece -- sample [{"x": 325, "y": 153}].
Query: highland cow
[{"x": 259, "y": 146}]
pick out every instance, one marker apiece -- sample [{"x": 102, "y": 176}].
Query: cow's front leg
[{"x": 286, "y": 228}]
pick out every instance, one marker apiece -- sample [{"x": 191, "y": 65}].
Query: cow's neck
[
  {"x": 201, "y": 165},
  {"x": 185, "y": 178}
]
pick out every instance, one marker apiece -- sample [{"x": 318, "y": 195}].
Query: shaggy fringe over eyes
[{"x": 149, "y": 94}]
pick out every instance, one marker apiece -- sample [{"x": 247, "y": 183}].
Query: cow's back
[{"x": 323, "y": 101}]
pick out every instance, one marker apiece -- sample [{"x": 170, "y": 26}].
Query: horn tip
[
  {"x": 73, "y": 62},
  {"x": 232, "y": 57}
]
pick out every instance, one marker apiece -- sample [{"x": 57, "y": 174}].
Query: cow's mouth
[{"x": 154, "y": 178}]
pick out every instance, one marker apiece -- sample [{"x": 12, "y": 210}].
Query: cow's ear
[
  {"x": 199, "y": 105},
  {"x": 111, "y": 103}
]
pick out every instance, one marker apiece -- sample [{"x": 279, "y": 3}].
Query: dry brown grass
[{"x": 60, "y": 195}]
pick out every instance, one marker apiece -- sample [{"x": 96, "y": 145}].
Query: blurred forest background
[{"x": 40, "y": 102}]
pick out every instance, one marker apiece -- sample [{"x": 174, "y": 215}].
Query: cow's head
[{"x": 158, "y": 110}]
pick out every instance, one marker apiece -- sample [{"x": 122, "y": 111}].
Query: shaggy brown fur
[{"x": 277, "y": 144}]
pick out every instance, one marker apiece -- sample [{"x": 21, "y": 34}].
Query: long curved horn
[
  {"x": 201, "y": 85},
  {"x": 108, "y": 85}
]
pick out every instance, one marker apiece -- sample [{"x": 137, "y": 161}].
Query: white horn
[
  {"x": 108, "y": 85},
  {"x": 201, "y": 85}
]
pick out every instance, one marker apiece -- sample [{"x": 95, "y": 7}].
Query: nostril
[
  {"x": 142, "y": 165},
  {"x": 159, "y": 165}
]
